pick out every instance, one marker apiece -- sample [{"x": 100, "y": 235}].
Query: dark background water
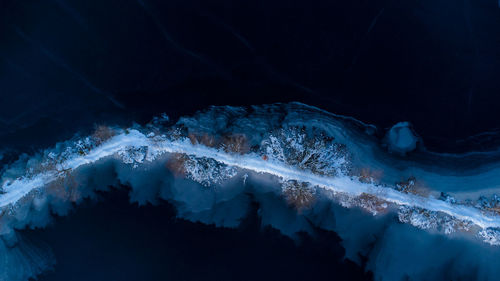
[
  {"x": 114, "y": 240},
  {"x": 67, "y": 65},
  {"x": 432, "y": 62}
]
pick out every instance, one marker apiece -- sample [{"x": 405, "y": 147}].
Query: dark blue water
[
  {"x": 380, "y": 61},
  {"x": 114, "y": 240},
  {"x": 68, "y": 65}
]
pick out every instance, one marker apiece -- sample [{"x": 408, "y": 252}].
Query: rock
[{"x": 401, "y": 138}]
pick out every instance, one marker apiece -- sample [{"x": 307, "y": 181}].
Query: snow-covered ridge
[
  {"x": 135, "y": 147},
  {"x": 304, "y": 168}
]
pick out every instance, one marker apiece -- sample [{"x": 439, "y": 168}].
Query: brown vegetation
[
  {"x": 412, "y": 186},
  {"x": 64, "y": 187},
  {"x": 495, "y": 209},
  {"x": 205, "y": 139},
  {"x": 102, "y": 133},
  {"x": 237, "y": 143},
  {"x": 368, "y": 175},
  {"x": 466, "y": 226},
  {"x": 372, "y": 203},
  {"x": 176, "y": 164},
  {"x": 299, "y": 195}
]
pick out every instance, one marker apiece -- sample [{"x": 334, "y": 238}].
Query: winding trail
[{"x": 121, "y": 143}]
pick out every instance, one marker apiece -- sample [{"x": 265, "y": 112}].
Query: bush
[
  {"x": 411, "y": 185},
  {"x": 237, "y": 143},
  {"x": 176, "y": 164},
  {"x": 298, "y": 194},
  {"x": 102, "y": 134}
]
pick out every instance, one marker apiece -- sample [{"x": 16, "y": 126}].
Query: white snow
[{"x": 134, "y": 140}]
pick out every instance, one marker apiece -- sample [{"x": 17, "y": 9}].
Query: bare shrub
[
  {"x": 412, "y": 186},
  {"x": 208, "y": 140},
  {"x": 466, "y": 226},
  {"x": 102, "y": 133},
  {"x": 237, "y": 143},
  {"x": 176, "y": 164},
  {"x": 495, "y": 210},
  {"x": 308, "y": 150},
  {"x": 368, "y": 175},
  {"x": 372, "y": 203},
  {"x": 204, "y": 139},
  {"x": 298, "y": 195}
]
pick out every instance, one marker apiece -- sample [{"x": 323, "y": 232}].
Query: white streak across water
[{"x": 122, "y": 143}]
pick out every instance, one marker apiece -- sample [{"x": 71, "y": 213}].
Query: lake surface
[{"x": 68, "y": 65}]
